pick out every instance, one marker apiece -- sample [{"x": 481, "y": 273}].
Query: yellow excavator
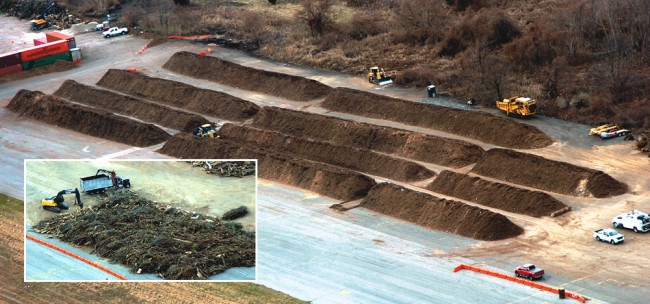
[
  {"x": 377, "y": 76},
  {"x": 40, "y": 23},
  {"x": 56, "y": 203},
  {"x": 518, "y": 106}
]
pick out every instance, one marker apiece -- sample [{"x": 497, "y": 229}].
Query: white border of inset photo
[{"x": 159, "y": 280}]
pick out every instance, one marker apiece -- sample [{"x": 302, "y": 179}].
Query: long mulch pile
[
  {"x": 151, "y": 238},
  {"x": 342, "y": 156},
  {"x": 473, "y": 124},
  {"x": 439, "y": 214},
  {"x": 497, "y": 195},
  {"x": 427, "y": 148},
  {"x": 327, "y": 180},
  {"x": 91, "y": 121},
  {"x": 538, "y": 172},
  {"x": 250, "y": 79},
  {"x": 180, "y": 95},
  {"x": 126, "y": 105},
  {"x": 58, "y": 66}
]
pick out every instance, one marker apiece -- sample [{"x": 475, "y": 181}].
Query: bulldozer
[
  {"x": 377, "y": 76},
  {"x": 56, "y": 203},
  {"x": 518, "y": 106},
  {"x": 206, "y": 130}
]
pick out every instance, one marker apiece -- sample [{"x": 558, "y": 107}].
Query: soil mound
[
  {"x": 152, "y": 238},
  {"x": 126, "y": 105},
  {"x": 180, "y": 95},
  {"x": 250, "y": 79},
  {"x": 321, "y": 178},
  {"x": 91, "y": 121},
  {"x": 427, "y": 148},
  {"x": 439, "y": 214},
  {"x": 497, "y": 195},
  {"x": 538, "y": 172},
  {"x": 473, "y": 124},
  {"x": 342, "y": 156},
  {"x": 58, "y": 66}
]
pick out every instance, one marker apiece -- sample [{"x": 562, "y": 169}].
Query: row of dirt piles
[
  {"x": 538, "y": 172},
  {"x": 126, "y": 105},
  {"x": 427, "y": 148},
  {"x": 497, "y": 195},
  {"x": 245, "y": 78},
  {"x": 439, "y": 214},
  {"x": 473, "y": 124},
  {"x": 180, "y": 95},
  {"x": 343, "y": 156},
  {"x": 151, "y": 238},
  {"x": 327, "y": 180},
  {"x": 91, "y": 121},
  {"x": 58, "y": 66}
]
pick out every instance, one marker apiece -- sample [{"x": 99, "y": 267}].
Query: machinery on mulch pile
[
  {"x": 149, "y": 237},
  {"x": 236, "y": 168}
]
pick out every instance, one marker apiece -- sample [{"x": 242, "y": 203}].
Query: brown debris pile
[
  {"x": 342, "y": 156},
  {"x": 126, "y": 105},
  {"x": 538, "y": 172},
  {"x": 91, "y": 121},
  {"x": 58, "y": 66},
  {"x": 245, "y": 78},
  {"x": 180, "y": 95},
  {"x": 152, "y": 238},
  {"x": 327, "y": 180},
  {"x": 438, "y": 150},
  {"x": 439, "y": 214},
  {"x": 497, "y": 195},
  {"x": 473, "y": 124},
  {"x": 227, "y": 168}
]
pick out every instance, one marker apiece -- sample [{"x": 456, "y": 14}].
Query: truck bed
[{"x": 96, "y": 182}]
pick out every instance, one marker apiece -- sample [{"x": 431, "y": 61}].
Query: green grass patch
[{"x": 10, "y": 207}]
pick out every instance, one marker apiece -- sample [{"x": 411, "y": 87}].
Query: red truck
[{"x": 529, "y": 271}]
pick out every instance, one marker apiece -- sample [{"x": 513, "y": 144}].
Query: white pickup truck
[
  {"x": 608, "y": 235},
  {"x": 635, "y": 220},
  {"x": 114, "y": 31}
]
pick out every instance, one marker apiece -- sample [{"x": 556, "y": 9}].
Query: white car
[
  {"x": 608, "y": 235},
  {"x": 635, "y": 220},
  {"x": 114, "y": 31}
]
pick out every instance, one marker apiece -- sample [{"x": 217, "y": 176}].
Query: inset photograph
[{"x": 96, "y": 220}]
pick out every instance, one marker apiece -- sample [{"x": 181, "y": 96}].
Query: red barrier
[
  {"x": 519, "y": 280},
  {"x": 43, "y": 50},
  {"x": 76, "y": 257}
]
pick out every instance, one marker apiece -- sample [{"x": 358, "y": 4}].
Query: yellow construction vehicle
[
  {"x": 56, "y": 203},
  {"x": 377, "y": 76},
  {"x": 518, "y": 106},
  {"x": 40, "y": 23},
  {"x": 206, "y": 130}
]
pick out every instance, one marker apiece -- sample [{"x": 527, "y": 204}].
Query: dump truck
[
  {"x": 377, "y": 76},
  {"x": 518, "y": 106},
  {"x": 102, "y": 180}
]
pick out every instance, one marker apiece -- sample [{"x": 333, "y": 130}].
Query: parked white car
[
  {"x": 635, "y": 220},
  {"x": 114, "y": 31},
  {"x": 608, "y": 235}
]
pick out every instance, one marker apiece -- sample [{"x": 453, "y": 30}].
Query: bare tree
[
  {"x": 316, "y": 14},
  {"x": 421, "y": 20}
]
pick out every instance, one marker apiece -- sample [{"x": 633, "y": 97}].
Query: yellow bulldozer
[
  {"x": 518, "y": 106},
  {"x": 377, "y": 76}
]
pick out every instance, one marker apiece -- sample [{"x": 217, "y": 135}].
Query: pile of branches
[
  {"x": 229, "y": 168},
  {"x": 148, "y": 237}
]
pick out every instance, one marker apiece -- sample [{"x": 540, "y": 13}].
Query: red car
[{"x": 529, "y": 271}]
